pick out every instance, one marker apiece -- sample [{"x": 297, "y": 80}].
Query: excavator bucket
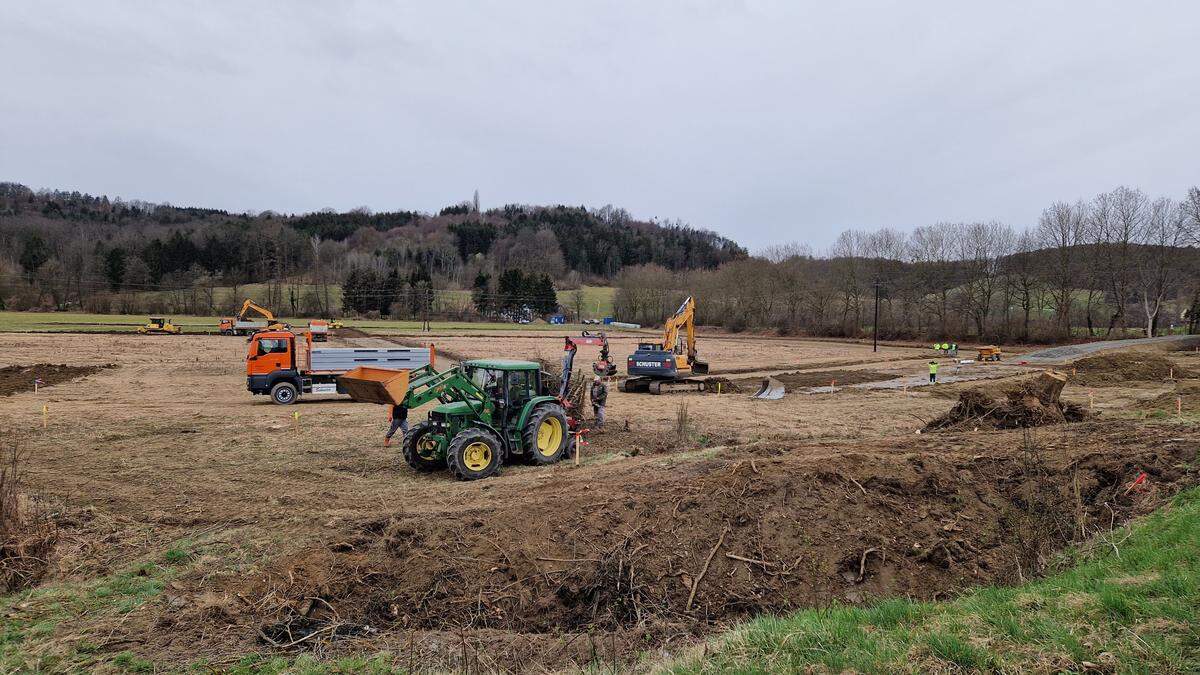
[
  {"x": 771, "y": 389},
  {"x": 375, "y": 385}
]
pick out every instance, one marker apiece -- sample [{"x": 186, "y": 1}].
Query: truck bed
[{"x": 343, "y": 359}]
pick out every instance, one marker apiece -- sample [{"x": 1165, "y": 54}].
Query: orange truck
[
  {"x": 319, "y": 328},
  {"x": 285, "y": 365}
]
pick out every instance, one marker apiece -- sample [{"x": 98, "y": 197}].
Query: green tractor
[{"x": 490, "y": 412}]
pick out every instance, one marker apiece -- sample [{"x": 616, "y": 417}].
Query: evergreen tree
[
  {"x": 512, "y": 290},
  {"x": 545, "y": 299},
  {"x": 480, "y": 293},
  {"x": 34, "y": 254},
  {"x": 114, "y": 267}
]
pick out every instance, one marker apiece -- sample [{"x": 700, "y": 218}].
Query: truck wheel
[
  {"x": 545, "y": 436},
  {"x": 284, "y": 393},
  {"x": 420, "y": 449},
  {"x": 474, "y": 454}
]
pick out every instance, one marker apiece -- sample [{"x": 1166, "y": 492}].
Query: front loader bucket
[
  {"x": 770, "y": 390},
  {"x": 375, "y": 385}
]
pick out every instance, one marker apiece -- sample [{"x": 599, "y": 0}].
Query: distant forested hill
[{"x": 62, "y": 248}]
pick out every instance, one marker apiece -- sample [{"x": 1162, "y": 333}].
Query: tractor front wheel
[
  {"x": 474, "y": 454},
  {"x": 545, "y": 436},
  {"x": 420, "y": 448}
]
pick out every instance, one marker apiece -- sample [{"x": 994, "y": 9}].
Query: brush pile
[
  {"x": 1031, "y": 403},
  {"x": 27, "y": 533}
]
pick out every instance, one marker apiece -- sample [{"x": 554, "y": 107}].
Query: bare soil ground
[
  {"x": 27, "y": 378},
  {"x": 303, "y": 533}
]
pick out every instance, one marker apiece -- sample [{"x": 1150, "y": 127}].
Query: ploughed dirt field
[{"x": 261, "y": 529}]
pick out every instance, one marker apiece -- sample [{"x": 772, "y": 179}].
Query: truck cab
[{"x": 271, "y": 366}]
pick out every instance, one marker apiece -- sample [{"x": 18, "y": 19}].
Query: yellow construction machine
[
  {"x": 243, "y": 325},
  {"x": 665, "y": 366},
  {"x": 159, "y": 326}
]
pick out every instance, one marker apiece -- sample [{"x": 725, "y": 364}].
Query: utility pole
[{"x": 875, "y": 326}]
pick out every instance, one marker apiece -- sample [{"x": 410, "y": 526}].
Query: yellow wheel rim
[
  {"x": 550, "y": 435},
  {"x": 426, "y": 447},
  {"x": 477, "y": 456}
]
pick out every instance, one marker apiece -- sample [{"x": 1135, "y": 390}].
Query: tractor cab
[{"x": 510, "y": 384}]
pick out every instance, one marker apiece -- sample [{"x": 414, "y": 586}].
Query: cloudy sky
[{"x": 765, "y": 121}]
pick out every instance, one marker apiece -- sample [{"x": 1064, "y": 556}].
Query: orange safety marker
[{"x": 579, "y": 443}]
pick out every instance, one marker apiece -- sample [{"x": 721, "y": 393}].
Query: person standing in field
[
  {"x": 399, "y": 422},
  {"x": 599, "y": 396},
  {"x": 933, "y": 368}
]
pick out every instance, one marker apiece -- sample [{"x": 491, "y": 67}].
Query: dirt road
[{"x": 1069, "y": 352}]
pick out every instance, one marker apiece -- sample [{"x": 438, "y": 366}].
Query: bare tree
[
  {"x": 1118, "y": 218},
  {"x": 981, "y": 247},
  {"x": 1158, "y": 257},
  {"x": 931, "y": 252},
  {"x": 1061, "y": 229}
]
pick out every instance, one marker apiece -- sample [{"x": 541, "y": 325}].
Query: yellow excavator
[
  {"x": 666, "y": 366},
  {"x": 242, "y": 325}
]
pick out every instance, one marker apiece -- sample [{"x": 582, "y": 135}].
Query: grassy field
[{"x": 1129, "y": 602}]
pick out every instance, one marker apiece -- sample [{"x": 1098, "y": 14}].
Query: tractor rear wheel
[
  {"x": 474, "y": 454},
  {"x": 420, "y": 449},
  {"x": 545, "y": 435}
]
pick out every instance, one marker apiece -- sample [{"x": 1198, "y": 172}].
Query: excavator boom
[{"x": 249, "y": 306}]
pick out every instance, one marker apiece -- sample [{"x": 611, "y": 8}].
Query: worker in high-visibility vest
[{"x": 933, "y": 367}]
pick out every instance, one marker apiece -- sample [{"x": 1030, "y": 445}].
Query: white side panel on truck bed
[{"x": 337, "y": 359}]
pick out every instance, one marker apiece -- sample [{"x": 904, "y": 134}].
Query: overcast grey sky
[{"x": 765, "y": 121}]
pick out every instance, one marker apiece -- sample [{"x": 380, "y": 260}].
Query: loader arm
[{"x": 427, "y": 384}]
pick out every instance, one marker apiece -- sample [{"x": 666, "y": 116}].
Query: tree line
[
  {"x": 68, "y": 250},
  {"x": 1119, "y": 264}
]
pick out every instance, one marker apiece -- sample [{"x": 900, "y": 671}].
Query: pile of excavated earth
[{"x": 605, "y": 564}]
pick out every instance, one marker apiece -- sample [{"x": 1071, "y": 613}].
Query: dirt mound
[
  {"x": 1032, "y": 402},
  {"x": 656, "y": 551},
  {"x": 14, "y": 379},
  {"x": 1186, "y": 395},
  {"x": 1115, "y": 368},
  {"x": 820, "y": 378},
  {"x": 724, "y": 385}
]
